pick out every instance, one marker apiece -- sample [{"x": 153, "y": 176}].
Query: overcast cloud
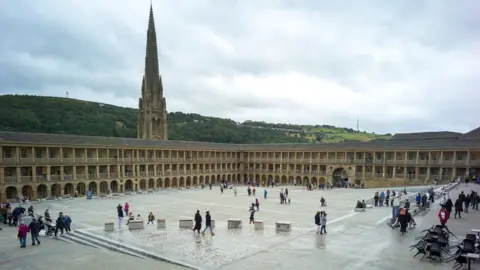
[{"x": 400, "y": 66}]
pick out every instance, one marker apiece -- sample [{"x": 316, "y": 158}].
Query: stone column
[
  {"x": 74, "y": 157},
  {"x": 74, "y": 173},
  {"x": 34, "y": 174},
  {"x": 62, "y": 173},
  {"x": 19, "y": 175},
  {"x": 61, "y": 156},
  {"x": 49, "y": 172}
]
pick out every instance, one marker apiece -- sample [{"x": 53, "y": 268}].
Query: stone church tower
[{"x": 152, "y": 107}]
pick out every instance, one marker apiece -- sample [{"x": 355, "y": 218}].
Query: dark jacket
[
  {"x": 459, "y": 205},
  {"x": 59, "y": 222},
  {"x": 449, "y": 205},
  {"x": 198, "y": 218},
  {"x": 34, "y": 227},
  {"x": 120, "y": 213},
  {"x": 67, "y": 220},
  {"x": 317, "y": 219},
  {"x": 208, "y": 220}
]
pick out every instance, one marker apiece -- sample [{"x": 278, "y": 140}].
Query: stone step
[
  {"x": 122, "y": 246},
  {"x": 74, "y": 240},
  {"x": 81, "y": 239}
]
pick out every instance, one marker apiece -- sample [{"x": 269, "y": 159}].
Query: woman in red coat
[{"x": 443, "y": 215}]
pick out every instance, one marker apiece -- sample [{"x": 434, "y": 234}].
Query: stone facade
[
  {"x": 152, "y": 107},
  {"x": 43, "y": 165}
]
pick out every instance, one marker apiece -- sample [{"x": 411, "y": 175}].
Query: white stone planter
[
  {"x": 283, "y": 226},
  {"x": 161, "y": 224},
  {"x": 258, "y": 225},
  {"x": 234, "y": 223},
  {"x": 109, "y": 227},
  {"x": 185, "y": 223},
  {"x": 136, "y": 225}
]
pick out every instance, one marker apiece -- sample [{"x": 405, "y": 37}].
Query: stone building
[{"x": 44, "y": 165}]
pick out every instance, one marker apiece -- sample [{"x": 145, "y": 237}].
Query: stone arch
[
  {"x": 284, "y": 180},
  {"x": 201, "y": 180},
  {"x": 195, "y": 181},
  {"x": 11, "y": 193},
  {"x": 291, "y": 179},
  {"x": 181, "y": 182},
  {"x": 103, "y": 187},
  {"x": 219, "y": 179},
  {"x": 229, "y": 178},
  {"x": 42, "y": 191},
  {"x": 68, "y": 189},
  {"x": 270, "y": 178},
  {"x": 160, "y": 183},
  {"x": 277, "y": 179},
  {"x": 212, "y": 180},
  {"x": 167, "y": 182},
  {"x": 238, "y": 178},
  {"x": 256, "y": 179},
  {"x": 128, "y": 185},
  {"x": 174, "y": 182},
  {"x": 339, "y": 175},
  {"x": 248, "y": 177},
  {"x": 56, "y": 190},
  {"x": 151, "y": 184},
  {"x": 314, "y": 181},
  {"x": 306, "y": 180},
  {"x": 207, "y": 179},
  {"x": 27, "y": 191},
  {"x": 143, "y": 184},
  {"x": 298, "y": 180},
  {"x": 189, "y": 181},
  {"x": 264, "y": 179},
  {"x": 322, "y": 181},
  {"x": 81, "y": 188},
  {"x": 114, "y": 186},
  {"x": 92, "y": 186}
]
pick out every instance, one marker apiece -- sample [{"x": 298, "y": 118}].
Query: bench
[
  {"x": 161, "y": 224},
  {"x": 135, "y": 225},
  {"x": 185, "y": 223},
  {"x": 258, "y": 224},
  {"x": 283, "y": 226},
  {"x": 109, "y": 227},
  {"x": 360, "y": 209},
  {"x": 234, "y": 223}
]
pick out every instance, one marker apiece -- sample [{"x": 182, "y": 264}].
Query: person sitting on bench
[
  {"x": 360, "y": 205},
  {"x": 323, "y": 202}
]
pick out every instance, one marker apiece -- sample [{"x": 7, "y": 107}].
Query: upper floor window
[
  {"x": 52, "y": 154},
  {"x": 8, "y": 153},
  {"x": 473, "y": 156},
  {"x": 23, "y": 153},
  {"x": 38, "y": 153}
]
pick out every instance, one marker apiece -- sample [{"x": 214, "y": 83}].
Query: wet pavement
[{"x": 360, "y": 240}]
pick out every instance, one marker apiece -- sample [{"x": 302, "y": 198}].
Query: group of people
[
  {"x": 198, "y": 222},
  {"x": 321, "y": 222}
]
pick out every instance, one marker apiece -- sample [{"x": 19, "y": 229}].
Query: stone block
[
  {"x": 185, "y": 223},
  {"x": 283, "y": 226},
  {"x": 161, "y": 224},
  {"x": 369, "y": 206},
  {"x": 258, "y": 225},
  {"x": 234, "y": 223},
  {"x": 135, "y": 225},
  {"x": 213, "y": 223},
  {"x": 109, "y": 227},
  {"x": 150, "y": 191},
  {"x": 128, "y": 193},
  {"x": 360, "y": 209}
]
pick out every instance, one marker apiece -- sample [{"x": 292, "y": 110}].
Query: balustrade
[
  {"x": 55, "y": 177},
  {"x": 68, "y": 161},
  {"x": 68, "y": 177}
]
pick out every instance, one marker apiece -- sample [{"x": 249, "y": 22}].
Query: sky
[{"x": 397, "y": 66}]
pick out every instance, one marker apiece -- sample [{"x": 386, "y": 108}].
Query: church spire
[
  {"x": 151, "y": 56},
  {"x": 152, "y": 113}
]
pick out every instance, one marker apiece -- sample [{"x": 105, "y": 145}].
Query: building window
[
  {"x": 23, "y": 153},
  {"x": 52, "y": 155},
  {"x": 38, "y": 153},
  {"x": 8, "y": 153}
]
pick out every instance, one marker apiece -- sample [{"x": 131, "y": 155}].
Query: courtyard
[{"x": 353, "y": 240}]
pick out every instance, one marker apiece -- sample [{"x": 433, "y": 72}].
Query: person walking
[
  {"x": 22, "y": 234},
  {"x": 458, "y": 208},
  {"x": 59, "y": 224},
  {"x": 34, "y": 228},
  {"x": 208, "y": 223},
  {"x": 126, "y": 208},
  {"x": 67, "y": 221},
  {"x": 120, "y": 215},
  {"x": 317, "y": 221},
  {"x": 198, "y": 222},
  {"x": 443, "y": 215},
  {"x": 323, "y": 222}
]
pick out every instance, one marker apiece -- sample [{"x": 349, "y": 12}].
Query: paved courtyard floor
[{"x": 354, "y": 240}]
